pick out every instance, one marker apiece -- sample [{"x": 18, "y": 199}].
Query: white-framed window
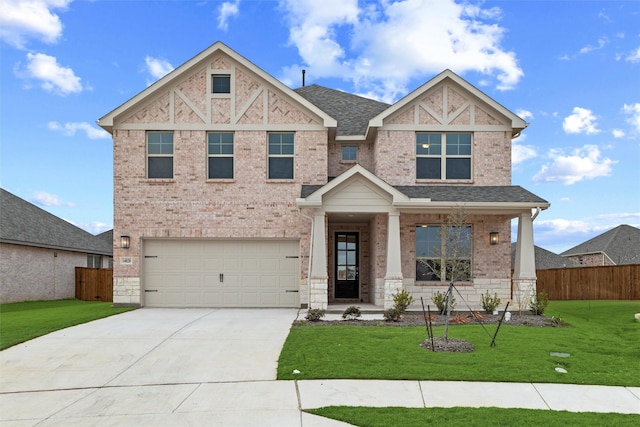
[
  {"x": 349, "y": 153},
  {"x": 280, "y": 155},
  {"x": 220, "y": 155},
  {"x": 220, "y": 83},
  {"x": 443, "y": 156},
  {"x": 160, "y": 155},
  {"x": 443, "y": 253}
]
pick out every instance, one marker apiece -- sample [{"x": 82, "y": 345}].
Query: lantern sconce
[
  {"x": 494, "y": 238},
  {"x": 125, "y": 242}
]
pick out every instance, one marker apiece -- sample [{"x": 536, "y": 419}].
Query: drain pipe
[{"x": 535, "y": 215}]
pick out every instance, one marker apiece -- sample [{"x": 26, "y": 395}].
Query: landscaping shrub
[
  {"x": 402, "y": 300},
  {"x": 539, "y": 303},
  {"x": 314, "y": 314},
  {"x": 392, "y": 315},
  {"x": 351, "y": 313},
  {"x": 490, "y": 303},
  {"x": 440, "y": 300}
]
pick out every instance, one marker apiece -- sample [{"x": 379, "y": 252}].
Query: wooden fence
[
  {"x": 94, "y": 284},
  {"x": 617, "y": 282}
]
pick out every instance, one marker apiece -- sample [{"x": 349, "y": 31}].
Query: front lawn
[
  {"x": 602, "y": 343},
  {"x": 22, "y": 321},
  {"x": 464, "y": 417}
]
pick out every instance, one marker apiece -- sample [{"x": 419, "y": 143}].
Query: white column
[
  {"x": 524, "y": 274},
  {"x": 318, "y": 276},
  {"x": 393, "y": 275},
  {"x": 525, "y": 266}
]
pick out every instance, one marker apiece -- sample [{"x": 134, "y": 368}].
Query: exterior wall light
[
  {"x": 494, "y": 238},
  {"x": 125, "y": 242}
]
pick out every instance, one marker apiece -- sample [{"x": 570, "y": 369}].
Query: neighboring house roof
[
  {"x": 351, "y": 111},
  {"x": 107, "y": 121},
  {"x": 620, "y": 244},
  {"x": 106, "y": 236},
  {"x": 22, "y": 223},
  {"x": 545, "y": 259}
]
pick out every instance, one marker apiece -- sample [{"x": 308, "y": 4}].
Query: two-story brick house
[{"x": 231, "y": 189}]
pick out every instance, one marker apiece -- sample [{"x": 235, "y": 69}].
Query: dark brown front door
[{"x": 346, "y": 274}]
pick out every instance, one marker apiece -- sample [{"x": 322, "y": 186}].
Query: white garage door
[{"x": 206, "y": 273}]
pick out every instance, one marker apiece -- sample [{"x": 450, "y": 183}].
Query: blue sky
[{"x": 569, "y": 68}]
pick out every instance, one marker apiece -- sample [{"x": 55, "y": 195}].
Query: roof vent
[{"x": 303, "y": 73}]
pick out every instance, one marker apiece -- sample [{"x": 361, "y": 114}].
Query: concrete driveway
[{"x": 154, "y": 367}]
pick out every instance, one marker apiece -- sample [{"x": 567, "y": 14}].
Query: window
[
  {"x": 220, "y": 154},
  {"x": 443, "y": 254},
  {"x": 451, "y": 160},
  {"x": 221, "y": 83},
  {"x": 280, "y": 156},
  {"x": 160, "y": 155},
  {"x": 349, "y": 153},
  {"x": 94, "y": 261}
]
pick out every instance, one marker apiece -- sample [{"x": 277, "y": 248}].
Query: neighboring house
[
  {"x": 231, "y": 189},
  {"x": 618, "y": 246},
  {"x": 545, "y": 259},
  {"x": 39, "y": 252}
]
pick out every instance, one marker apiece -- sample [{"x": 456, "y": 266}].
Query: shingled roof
[
  {"x": 620, "y": 244},
  {"x": 351, "y": 111},
  {"x": 545, "y": 259},
  {"x": 444, "y": 193},
  {"x": 22, "y": 223}
]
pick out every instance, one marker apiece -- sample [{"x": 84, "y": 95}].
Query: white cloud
[
  {"x": 385, "y": 34},
  {"x": 602, "y": 42},
  {"x": 43, "y": 198},
  {"x": 581, "y": 121},
  {"x": 228, "y": 9},
  {"x": 521, "y": 153},
  {"x": 70, "y": 129},
  {"x": 633, "y": 111},
  {"x": 52, "y": 76},
  {"x": 634, "y": 56},
  {"x": 582, "y": 164},
  {"x": 618, "y": 133},
  {"x": 24, "y": 19},
  {"x": 524, "y": 114},
  {"x": 157, "y": 68}
]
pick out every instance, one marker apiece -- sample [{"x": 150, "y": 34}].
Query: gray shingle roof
[
  {"x": 23, "y": 223},
  {"x": 621, "y": 244},
  {"x": 545, "y": 259},
  {"x": 444, "y": 193},
  {"x": 351, "y": 111}
]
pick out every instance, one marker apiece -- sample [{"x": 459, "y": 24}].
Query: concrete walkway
[{"x": 213, "y": 367}]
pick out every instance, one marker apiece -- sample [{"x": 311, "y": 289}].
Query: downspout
[{"x": 535, "y": 215}]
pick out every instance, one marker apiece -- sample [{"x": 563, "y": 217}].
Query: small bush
[
  {"x": 392, "y": 315},
  {"x": 402, "y": 300},
  {"x": 440, "y": 300},
  {"x": 490, "y": 303},
  {"x": 539, "y": 303},
  {"x": 351, "y": 313},
  {"x": 314, "y": 314}
]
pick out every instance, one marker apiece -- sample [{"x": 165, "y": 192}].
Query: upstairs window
[
  {"x": 220, "y": 155},
  {"x": 443, "y": 253},
  {"x": 280, "y": 150},
  {"x": 349, "y": 153},
  {"x": 160, "y": 155},
  {"x": 442, "y": 161},
  {"x": 221, "y": 83}
]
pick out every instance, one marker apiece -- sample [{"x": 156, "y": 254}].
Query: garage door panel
[{"x": 187, "y": 273}]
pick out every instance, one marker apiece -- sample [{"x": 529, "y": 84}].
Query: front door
[{"x": 347, "y": 266}]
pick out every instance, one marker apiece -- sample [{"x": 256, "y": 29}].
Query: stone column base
[
  {"x": 126, "y": 291},
  {"x": 523, "y": 291},
  {"x": 391, "y": 286},
  {"x": 318, "y": 292}
]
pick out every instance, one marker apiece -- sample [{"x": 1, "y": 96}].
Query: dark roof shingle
[
  {"x": 621, "y": 244},
  {"x": 351, "y": 111},
  {"x": 23, "y": 223}
]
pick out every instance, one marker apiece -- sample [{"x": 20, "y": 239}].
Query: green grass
[
  {"x": 22, "y": 321},
  {"x": 603, "y": 343},
  {"x": 465, "y": 417}
]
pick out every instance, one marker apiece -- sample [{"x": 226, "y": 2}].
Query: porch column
[
  {"x": 393, "y": 275},
  {"x": 318, "y": 276},
  {"x": 524, "y": 275}
]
